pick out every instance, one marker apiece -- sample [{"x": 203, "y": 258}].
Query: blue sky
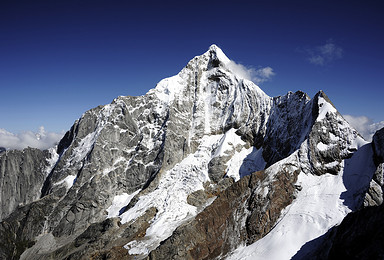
[{"x": 61, "y": 58}]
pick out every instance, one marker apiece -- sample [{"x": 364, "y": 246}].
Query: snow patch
[
  {"x": 324, "y": 109},
  {"x": 119, "y": 202},
  {"x": 245, "y": 162},
  {"x": 358, "y": 142},
  {"x": 228, "y": 142},
  {"x": 52, "y": 160},
  {"x": 219, "y": 53},
  {"x": 167, "y": 88},
  {"x": 81, "y": 151},
  {"x": 322, "y": 147},
  {"x": 69, "y": 181}
]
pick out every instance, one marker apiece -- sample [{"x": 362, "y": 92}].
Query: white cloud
[
  {"x": 364, "y": 125},
  {"x": 324, "y": 54},
  {"x": 41, "y": 139},
  {"x": 258, "y": 76}
]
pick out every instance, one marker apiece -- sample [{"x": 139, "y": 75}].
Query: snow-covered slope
[
  {"x": 323, "y": 202},
  {"x": 151, "y": 175}
]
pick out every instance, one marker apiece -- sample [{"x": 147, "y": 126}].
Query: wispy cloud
[
  {"x": 323, "y": 54},
  {"x": 258, "y": 75},
  {"x": 364, "y": 125},
  {"x": 40, "y": 139}
]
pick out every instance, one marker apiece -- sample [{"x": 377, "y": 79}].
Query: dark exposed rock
[
  {"x": 217, "y": 167},
  {"x": 198, "y": 198},
  {"x": 266, "y": 209},
  {"x": 378, "y": 146},
  {"x": 360, "y": 235},
  {"x": 289, "y": 124},
  {"x": 374, "y": 195},
  {"x": 21, "y": 178}
]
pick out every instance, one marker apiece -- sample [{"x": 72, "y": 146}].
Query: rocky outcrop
[
  {"x": 21, "y": 178},
  {"x": 331, "y": 138},
  {"x": 378, "y": 146},
  {"x": 19, "y": 231},
  {"x": 289, "y": 124},
  {"x": 243, "y": 213},
  {"x": 374, "y": 195},
  {"x": 102, "y": 240}
]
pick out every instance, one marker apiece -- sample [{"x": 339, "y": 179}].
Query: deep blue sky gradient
[{"x": 61, "y": 58}]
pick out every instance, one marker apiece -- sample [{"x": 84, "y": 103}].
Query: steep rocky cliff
[
  {"x": 374, "y": 196},
  {"x": 205, "y": 165},
  {"x": 22, "y": 174}
]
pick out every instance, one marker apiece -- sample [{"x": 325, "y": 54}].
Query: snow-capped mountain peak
[
  {"x": 217, "y": 54},
  {"x": 202, "y": 164}
]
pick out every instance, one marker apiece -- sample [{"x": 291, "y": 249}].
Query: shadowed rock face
[
  {"x": 378, "y": 146},
  {"x": 21, "y": 178},
  {"x": 374, "y": 196},
  {"x": 360, "y": 235},
  {"x": 289, "y": 124}
]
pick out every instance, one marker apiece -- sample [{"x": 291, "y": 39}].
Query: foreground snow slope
[{"x": 322, "y": 203}]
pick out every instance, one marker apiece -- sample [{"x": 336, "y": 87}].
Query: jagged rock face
[
  {"x": 174, "y": 155},
  {"x": 19, "y": 231},
  {"x": 94, "y": 157},
  {"x": 331, "y": 139},
  {"x": 21, "y": 178},
  {"x": 289, "y": 123},
  {"x": 374, "y": 196},
  {"x": 102, "y": 240},
  {"x": 378, "y": 146}
]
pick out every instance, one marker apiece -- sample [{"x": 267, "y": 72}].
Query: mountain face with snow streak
[{"x": 204, "y": 166}]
